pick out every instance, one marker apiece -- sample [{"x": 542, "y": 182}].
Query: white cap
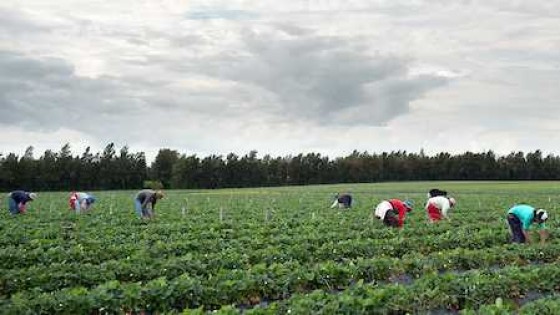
[
  {"x": 33, "y": 196},
  {"x": 544, "y": 215}
]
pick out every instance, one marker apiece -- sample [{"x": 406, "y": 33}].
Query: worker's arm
[
  {"x": 402, "y": 214},
  {"x": 150, "y": 208},
  {"x": 544, "y": 235},
  {"x": 445, "y": 210},
  {"x": 334, "y": 204},
  {"x": 527, "y": 235},
  {"x": 147, "y": 199}
]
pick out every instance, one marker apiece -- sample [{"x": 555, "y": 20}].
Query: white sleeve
[
  {"x": 335, "y": 203},
  {"x": 382, "y": 209},
  {"x": 445, "y": 208}
]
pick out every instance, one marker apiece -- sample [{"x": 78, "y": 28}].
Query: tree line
[{"x": 115, "y": 168}]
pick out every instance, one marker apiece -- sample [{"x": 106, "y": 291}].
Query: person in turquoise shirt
[{"x": 521, "y": 218}]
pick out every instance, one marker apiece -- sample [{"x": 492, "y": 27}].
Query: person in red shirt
[{"x": 393, "y": 212}]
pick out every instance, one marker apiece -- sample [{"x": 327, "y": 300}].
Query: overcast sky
[{"x": 280, "y": 77}]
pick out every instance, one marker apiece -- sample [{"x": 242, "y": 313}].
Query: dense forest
[{"x": 120, "y": 169}]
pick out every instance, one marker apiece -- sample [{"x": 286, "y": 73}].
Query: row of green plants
[
  {"x": 264, "y": 246},
  {"x": 208, "y": 253},
  {"x": 430, "y": 292},
  {"x": 253, "y": 284},
  {"x": 259, "y": 255}
]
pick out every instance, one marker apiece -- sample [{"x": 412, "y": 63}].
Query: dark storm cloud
[
  {"x": 277, "y": 75},
  {"x": 324, "y": 80},
  {"x": 17, "y": 68},
  {"x": 45, "y": 94}
]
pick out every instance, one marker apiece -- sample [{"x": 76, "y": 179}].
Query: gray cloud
[
  {"x": 14, "y": 22},
  {"x": 280, "y": 74},
  {"x": 45, "y": 94},
  {"x": 216, "y": 13},
  {"x": 325, "y": 80},
  {"x": 273, "y": 75}
]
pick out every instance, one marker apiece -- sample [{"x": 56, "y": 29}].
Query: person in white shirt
[
  {"x": 438, "y": 207},
  {"x": 393, "y": 212}
]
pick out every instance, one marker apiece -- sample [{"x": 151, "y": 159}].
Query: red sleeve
[{"x": 399, "y": 206}]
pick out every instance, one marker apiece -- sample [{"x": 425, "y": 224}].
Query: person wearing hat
[
  {"x": 393, "y": 212},
  {"x": 343, "y": 201},
  {"x": 521, "y": 218},
  {"x": 145, "y": 202},
  {"x": 18, "y": 199},
  {"x": 438, "y": 207},
  {"x": 80, "y": 201}
]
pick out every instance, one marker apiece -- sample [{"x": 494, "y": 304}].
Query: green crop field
[{"x": 280, "y": 251}]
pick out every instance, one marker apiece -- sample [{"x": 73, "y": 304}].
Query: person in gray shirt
[{"x": 145, "y": 202}]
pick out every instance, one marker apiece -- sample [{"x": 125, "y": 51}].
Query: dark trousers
[
  {"x": 517, "y": 235},
  {"x": 391, "y": 218},
  {"x": 346, "y": 201}
]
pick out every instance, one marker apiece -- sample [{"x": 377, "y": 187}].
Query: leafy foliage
[
  {"x": 115, "y": 168},
  {"x": 278, "y": 250}
]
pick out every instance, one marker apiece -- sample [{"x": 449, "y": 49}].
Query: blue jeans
[
  {"x": 138, "y": 207},
  {"x": 13, "y": 206},
  {"x": 141, "y": 212}
]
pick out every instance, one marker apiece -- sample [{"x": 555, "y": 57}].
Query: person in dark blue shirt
[
  {"x": 343, "y": 201},
  {"x": 18, "y": 199}
]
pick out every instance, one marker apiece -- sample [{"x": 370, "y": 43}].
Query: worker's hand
[
  {"x": 544, "y": 236},
  {"x": 528, "y": 239}
]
